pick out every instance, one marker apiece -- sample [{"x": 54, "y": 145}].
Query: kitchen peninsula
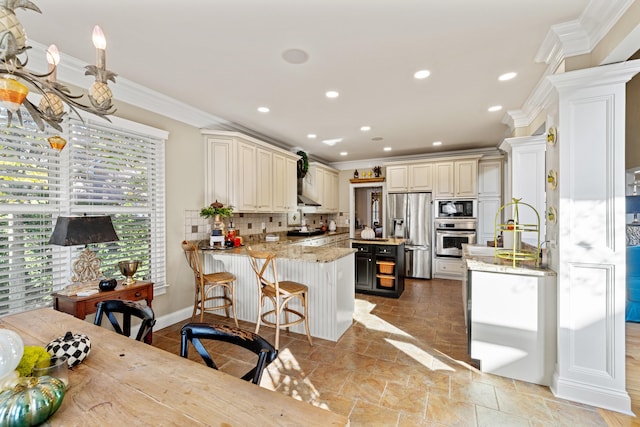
[
  {"x": 510, "y": 315},
  {"x": 327, "y": 271}
]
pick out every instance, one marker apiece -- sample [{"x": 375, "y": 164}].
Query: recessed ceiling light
[
  {"x": 387, "y": 148},
  {"x": 312, "y": 135},
  {"x": 422, "y": 74},
  {"x": 507, "y": 76},
  {"x": 332, "y": 141},
  {"x": 365, "y": 128},
  {"x": 263, "y": 109},
  {"x": 295, "y": 56},
  {"x": 495, "y": 108},
  {"x": 332, "y": 94},
  {"x": 343, "y": 153},
  {"x": 377, "y": 138},
  {"x": 436, "y": 143}
]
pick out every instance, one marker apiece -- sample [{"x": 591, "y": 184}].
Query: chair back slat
[
  {"x": 264, "y": 266},
  {"x": 195, "y": 333},
  {"x": 128, "y": 309}
]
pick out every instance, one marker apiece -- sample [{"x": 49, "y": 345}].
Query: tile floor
[{"x": 404, "y": 363}]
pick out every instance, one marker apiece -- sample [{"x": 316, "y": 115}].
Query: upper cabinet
[
  {"x": 321, "y": 184},
  {"x": 490, "y": 178},
  {"x": 456, "y": 179},
  {"x": 415, "y": 177},
  {"x": 248, "y": 174}
]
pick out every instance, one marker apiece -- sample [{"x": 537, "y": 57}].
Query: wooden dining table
[{"x": 126, "y": 382}]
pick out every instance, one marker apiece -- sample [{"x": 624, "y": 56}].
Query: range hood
[{"x": 302, "y": 199}]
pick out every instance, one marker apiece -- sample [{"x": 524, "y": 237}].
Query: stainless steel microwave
[{"x": 456, "y": 208}]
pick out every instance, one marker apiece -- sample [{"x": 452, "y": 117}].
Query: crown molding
[{"x": 71, "y": 71}]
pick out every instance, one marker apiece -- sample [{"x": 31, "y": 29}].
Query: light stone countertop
[
  {"x": 286, "y": 250},
  {"x": 481, "y": 258}
]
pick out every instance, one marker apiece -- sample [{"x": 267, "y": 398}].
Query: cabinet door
[
  {"x": 421, "y": 177},
  {"x": 487, "y": 209},
  {"x": 291, "y": 185},
  {"x": 466, "y": 178},
  {"x": 444, "y": 180},
  {"x": 490, "y": 178},
  {"x": 330, "y": 192},
  {"x": 279, "y": 177},
  {"x": 218, "y": 180},
  {"x": 264, "y": 181},
  {"x": 246, "y": 178},
  {"x": 397, "y": 178}
]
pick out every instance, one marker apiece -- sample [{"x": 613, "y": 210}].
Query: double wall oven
[{"x": 455, "y": 224}]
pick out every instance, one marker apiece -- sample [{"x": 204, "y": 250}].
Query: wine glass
[{"x": 128, "y": 269}]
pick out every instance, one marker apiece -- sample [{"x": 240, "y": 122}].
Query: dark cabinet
[{"x": 379, "y": 269}]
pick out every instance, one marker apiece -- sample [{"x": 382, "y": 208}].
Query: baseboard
[{"x": 614, "y": 400}]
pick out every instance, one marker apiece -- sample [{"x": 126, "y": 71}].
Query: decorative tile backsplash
[{"x": 198, "y": 228}]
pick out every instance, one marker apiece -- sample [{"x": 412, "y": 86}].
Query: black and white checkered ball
[{"x": 75, "y": 346}]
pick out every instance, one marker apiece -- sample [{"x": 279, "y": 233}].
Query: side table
[{"x": 81, "y": 306}]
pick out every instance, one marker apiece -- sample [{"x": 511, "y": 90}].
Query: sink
[{"x": 473, "y": 250}]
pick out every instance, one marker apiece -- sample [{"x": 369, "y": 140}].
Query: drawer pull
[{"x": 138, "y": 294}]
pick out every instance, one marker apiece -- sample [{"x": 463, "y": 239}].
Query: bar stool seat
[
  {"x": 213, "y": 291},
  {"x": 280, "y": 293}
]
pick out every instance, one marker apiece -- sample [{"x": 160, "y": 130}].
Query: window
[{"x": 114, "y": 168}]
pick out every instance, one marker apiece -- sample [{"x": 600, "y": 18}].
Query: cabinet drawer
[
  {"x": 365, "y": 249},
  {"x": 449, "y": 266},
  {"x": 133, "y": 294},
  {"x": 386, "y": 250}
]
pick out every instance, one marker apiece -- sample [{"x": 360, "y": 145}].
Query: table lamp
[{"x": 84, "y": 230}]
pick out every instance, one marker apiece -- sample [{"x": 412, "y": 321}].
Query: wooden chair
[
  {"x": 128, "y": 309},
  {"x": 280, "y": 293},
  {"x": 208, "y": 284},
  {"x": 195, "y": 332}
]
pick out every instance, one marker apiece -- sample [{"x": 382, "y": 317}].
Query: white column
[{"x": 591, "y": 236}]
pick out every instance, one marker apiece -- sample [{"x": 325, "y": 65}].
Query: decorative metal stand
[{"x": 520, "y": 251}]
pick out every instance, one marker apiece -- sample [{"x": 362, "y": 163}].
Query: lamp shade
[
  {"x": 633, "y": 204},
  {"x": 83, "y": 230}
]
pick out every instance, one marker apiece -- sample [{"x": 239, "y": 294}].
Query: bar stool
[
  {"x": 208, "y": 286},
  {"x": 279, "y": 293}
]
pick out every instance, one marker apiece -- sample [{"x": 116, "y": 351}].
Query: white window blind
[{"x": 115, "y": 169}]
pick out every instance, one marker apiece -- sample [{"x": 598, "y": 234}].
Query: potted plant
[{"x": 217, "y": 210}]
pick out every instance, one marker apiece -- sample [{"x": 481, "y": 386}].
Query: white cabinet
[
  {"x": 465, "y": 176},
  {"x": 526, "y": 178},
  {"x": 249, "y": 174},
  {"x": 487, "y": 209},
  {"x": 449, "y": 268},
  {"x": 443, "y": 180},
  {"x": 414, "y": 177},
  {"x": 456, "y": 178},
  {"x": 245, "y": 178},
  {"x": 421, "y": 177},
  {"x": 397, "y": 179},
  {"x": 218, "y": 175},
  {"x": 284, "y": 184},
  {"x": 264, "y": 182},
  {"x": 490, "y": 178},
  {"x": 321, "y": 185},
  {"x": 489, "y": 198}
]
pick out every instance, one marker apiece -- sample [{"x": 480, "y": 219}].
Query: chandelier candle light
[{"x": 50, "y": 110}]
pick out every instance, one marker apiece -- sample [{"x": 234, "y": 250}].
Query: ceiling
[{"x": 224, "y": 57}]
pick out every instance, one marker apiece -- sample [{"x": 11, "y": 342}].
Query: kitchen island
[
  {"x": 327, "y": 271},
  {"x": 379, "y": 266},
  {"x": 510, "y": 315}
]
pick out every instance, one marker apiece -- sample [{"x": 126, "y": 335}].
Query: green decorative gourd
[{"x": 30, "y": 401}]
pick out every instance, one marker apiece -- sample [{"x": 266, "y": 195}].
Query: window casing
[{"x": 114, "y": 169}]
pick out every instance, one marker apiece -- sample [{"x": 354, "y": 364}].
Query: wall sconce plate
[{"x": 552, "y": 180}]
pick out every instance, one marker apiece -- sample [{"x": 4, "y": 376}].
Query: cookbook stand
[{"x": 519, "y": 250}]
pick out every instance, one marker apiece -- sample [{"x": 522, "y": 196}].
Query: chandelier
[{"x": 51, "y": 108}]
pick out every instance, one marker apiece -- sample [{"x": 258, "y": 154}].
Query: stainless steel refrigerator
[{"x": 409, "y": 217}]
